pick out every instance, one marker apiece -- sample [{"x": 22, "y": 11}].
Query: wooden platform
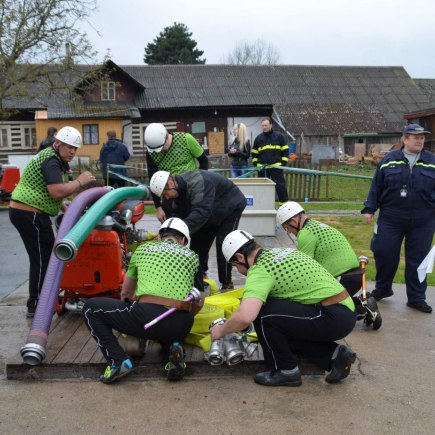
[{"x": 72, "y": 353}]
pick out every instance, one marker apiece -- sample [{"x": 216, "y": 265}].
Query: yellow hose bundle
[
  {"x": 224, "y": 300},
  {"x": 207, "y": 314}
]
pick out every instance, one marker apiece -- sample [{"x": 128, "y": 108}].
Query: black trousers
[
  {"x": 104, "y": 314},
  {"x": 202, "y": 240},
  {"x": 115, "y": 182},
  {"x": 277, "y": 176},
  {"x": 37, "y": 234},
  {"x": 352, "y": 280},
  {"x": 286, "y": 328}
]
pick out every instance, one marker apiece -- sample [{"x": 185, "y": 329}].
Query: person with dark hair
[
  {"x": 160, "y": 274},
  {"x": 297, "y": 307},
  {"x": 49, "y": 140},
  {"x": 114, "y": 152},
  {"x": 271, "y": 151},
  {"x": 403, "y": 189},
  {"x": 211, "y": 206}
]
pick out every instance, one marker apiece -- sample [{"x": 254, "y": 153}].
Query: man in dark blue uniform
[
  {"x": 271, "y": 149},
  {"x": 403, "y": 189}
]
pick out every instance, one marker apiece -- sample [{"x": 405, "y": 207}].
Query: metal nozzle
[
  {"x": 32, "y": 353},
  {"x": 65, "y": 250}
]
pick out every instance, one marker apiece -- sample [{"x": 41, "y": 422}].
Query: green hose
[{"x": 66, "y": 248}]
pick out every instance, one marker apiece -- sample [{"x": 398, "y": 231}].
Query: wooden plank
[
  {"x": 61, "y": 334},
  {"x": 88, "y": 351},
  {"x": 74, "y": 345}
]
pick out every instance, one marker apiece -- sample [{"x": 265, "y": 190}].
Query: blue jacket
[
  {"x": 393, "y": 177},
  {"x": 270, "y": 149},
  {"x": 114, "y": 152}
]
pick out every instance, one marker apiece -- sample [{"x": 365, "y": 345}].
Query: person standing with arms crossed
[
  {"x": 271, "y": 150},
  {"x": 403, "y": 189},
  {"x": 239, "y": 150}
]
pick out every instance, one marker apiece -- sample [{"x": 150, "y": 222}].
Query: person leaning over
[
  {"x": 160, "y": 274},
  {"x": 211, "y": 206},
  {"x": 239, "y": 150},
  {"x": 403, "y": 189},
  {"x": 38, "y": 196},
  {"x": 330, "y": 248},
  {"x": 172, "y": 152},
  {"x": 297, "y": 308},
  {"x": 270, "y": 149},
  {"x": 114, "y": 152}
]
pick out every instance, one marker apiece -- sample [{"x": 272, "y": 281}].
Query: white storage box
[{"x": 259, "y": 216}]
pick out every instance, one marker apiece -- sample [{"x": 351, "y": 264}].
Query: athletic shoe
[
  {"x": 30, "y": 312},
  {"x": 340, "y": 365},
  {"x": 378, "y": 295},
  {"x": 279, "y": 378},
  {"x": 227, "y": 286},
  {"x": 176, "y": 366},
  {"x": 420, "y": 306},
  {"x": 112, "y": 373}
]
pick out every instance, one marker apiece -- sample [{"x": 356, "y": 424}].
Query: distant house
[{"x": 315, "y": 105}]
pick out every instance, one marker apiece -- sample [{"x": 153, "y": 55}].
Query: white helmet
[
  {"x": 178, "y": 225},
  {"x": 158, "y": 182},
  {"x": 287, "y": 211},
  {"x": 155, "y": 137},
  {"x": 234, "y": 241},
  {"x": 70, "y": 136}
]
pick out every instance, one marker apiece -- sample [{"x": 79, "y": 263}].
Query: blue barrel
[{"x": 292, "y": 148}]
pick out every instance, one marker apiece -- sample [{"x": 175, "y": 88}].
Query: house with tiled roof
[{"x": 314, "y": 105}]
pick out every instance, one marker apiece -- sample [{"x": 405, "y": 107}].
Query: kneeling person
[
  {"x": 297, "y": 307},
  {"x": 161, "y": 274},
  {"x": 333, "y": 251}
]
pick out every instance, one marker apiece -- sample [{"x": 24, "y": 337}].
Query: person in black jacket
[
  {"x": 271, "y": 150},
  {"x": 239, "y": 150},
  {"x": 403, "y": 189},
  {"x": 114, "y": 152},
  {"x": 49, "y": 140},
  {"x": 209, "y": 204}
]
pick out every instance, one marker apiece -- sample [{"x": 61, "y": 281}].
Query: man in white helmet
[
  {"x": 211, "y": 206},
  {"x": 38, "y": 196},
  {"x": 161, "y": 274},
  {"x": 297, "y": 307},
  {"x": 175, "y": 152},
  {"x": 333, "y": 251}
]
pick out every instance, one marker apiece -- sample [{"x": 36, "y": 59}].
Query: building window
[
  {"x": 4, "y": 143},
  {"x": 90, "y": 134},
  {"x": 30, "y": 137},
  {"x": 108, "y": 91}
]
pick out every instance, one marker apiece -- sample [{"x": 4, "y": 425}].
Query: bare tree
[
  {"x": 36, "y": 35},
  {"x": 258, "y": 52}
]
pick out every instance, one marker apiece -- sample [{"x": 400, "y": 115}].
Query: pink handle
[{"x": 165, "y": 314}]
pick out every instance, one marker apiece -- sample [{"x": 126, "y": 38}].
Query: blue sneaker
[
  {"x": 112, "y": 373},
  {"x": 176, "y": 366}
]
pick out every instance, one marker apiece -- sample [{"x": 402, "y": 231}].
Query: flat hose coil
[{"x": 208, "y": 314}]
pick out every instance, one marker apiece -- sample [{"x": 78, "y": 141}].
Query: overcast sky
[{"x": 304, "y": 32}]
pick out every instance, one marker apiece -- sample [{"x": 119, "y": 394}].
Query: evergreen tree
[{"x": 173, "y": 46}]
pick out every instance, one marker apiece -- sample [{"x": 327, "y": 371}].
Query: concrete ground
[{"x": 390, "y": 390}]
